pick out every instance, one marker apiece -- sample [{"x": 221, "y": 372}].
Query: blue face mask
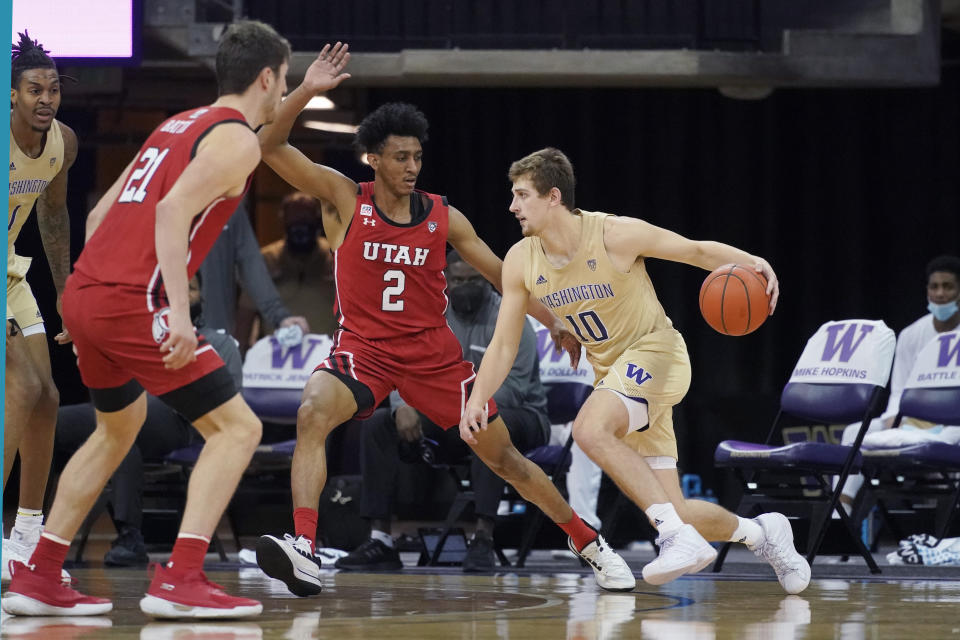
[{"x": 942, "y": 312}]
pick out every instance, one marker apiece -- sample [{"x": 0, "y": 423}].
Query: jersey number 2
[
  {"x": 390, "y": 300},
  {"x": 136, "y": 189}
]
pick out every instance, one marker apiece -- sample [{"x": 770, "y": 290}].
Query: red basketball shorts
[
  {"x": 426, "y": 368},
  {"x": 115, "y": 341}
]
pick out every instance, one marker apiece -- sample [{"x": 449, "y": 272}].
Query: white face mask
[{"x": 942, "y": 312}]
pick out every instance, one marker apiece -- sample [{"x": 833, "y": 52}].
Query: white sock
[
  {"x": 749, "y": 532},
  {"x": 382, "y": 536},
  {"x": 664, "y": 517},
  {"x": 28, "y": 524}
]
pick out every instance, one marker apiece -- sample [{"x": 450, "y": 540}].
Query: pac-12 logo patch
[
  {"x": 366, "y": 210},
  {"x": 592, "y": 263},
  {"x": 431, "y": 226}
]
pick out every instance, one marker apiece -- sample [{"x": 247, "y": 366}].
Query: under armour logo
[
  {"x": 339, "y": 498},
  {"x": 541, "y": 280},
  {"x": 370, "y": 221}
]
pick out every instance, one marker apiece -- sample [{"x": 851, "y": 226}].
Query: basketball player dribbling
[
  {"x": 390, "y": 242},
  {"x": 42, "y": 150},
  {"x": 589, "y": 267},
  {"x": 127, "y": 308}
]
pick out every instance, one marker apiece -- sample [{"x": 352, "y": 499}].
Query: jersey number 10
[{"x": 136, "y": 188}]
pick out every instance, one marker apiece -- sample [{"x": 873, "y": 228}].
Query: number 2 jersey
[
  {"x": 389, "y": 276},
  {"x": 122, "y": 251}
]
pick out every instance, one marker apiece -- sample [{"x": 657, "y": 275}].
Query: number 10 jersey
[{"x": 389, "y": 276}]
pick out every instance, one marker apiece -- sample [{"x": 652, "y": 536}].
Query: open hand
[
  {"x": 773, "y": 285},
  {"x": 326, "y": 72}
]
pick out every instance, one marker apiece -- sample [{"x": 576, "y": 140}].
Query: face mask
[
  {"x": 942, "y": 312},
  {"x": 302, "y": 238},
  {"x": 468, "y": 297}
]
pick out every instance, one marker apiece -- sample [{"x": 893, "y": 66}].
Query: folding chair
[
  {"x": 899, "y": 476},
  {"x": 274, "y": 376},
  {"x": 840, "y": 378}
]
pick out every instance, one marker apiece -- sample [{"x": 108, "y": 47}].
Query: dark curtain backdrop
[{"x": 847, "y": 193}]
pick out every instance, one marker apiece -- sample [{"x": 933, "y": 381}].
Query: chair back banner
[
  {"x": 938, "y": 364},
  {"x": 270, "y": 366},
  {"x": 555, "y": 367},
  {"x": 847, "y": 352}
]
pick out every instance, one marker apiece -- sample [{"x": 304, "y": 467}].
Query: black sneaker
[
  {"x": 372, "y": 555},
  {"x": 127, "y": 550},
  {"x": 480, "y": 556}
]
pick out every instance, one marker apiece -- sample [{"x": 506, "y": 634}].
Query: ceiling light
[
  {"x": 333, "y": 127},
  {"x": 320, "y": 102}
]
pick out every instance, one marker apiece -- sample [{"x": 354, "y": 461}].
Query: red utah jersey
[
  {"x": 389, "y": 276},
  {"x": 122, "y": 250}
]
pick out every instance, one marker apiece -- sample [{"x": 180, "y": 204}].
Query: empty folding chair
[{"x": 839, "y": 378}]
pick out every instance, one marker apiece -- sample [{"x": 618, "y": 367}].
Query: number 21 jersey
[{"x": 122, "y": 250}]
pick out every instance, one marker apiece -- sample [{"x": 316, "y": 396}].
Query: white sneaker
[
  {"x": 20, "y": 549},
  {"x": 290, "y": 560},
  {"x": 684, "y": 552},
  {"x": 792, "y": 569},
  {"x": 610, "y": 569}
]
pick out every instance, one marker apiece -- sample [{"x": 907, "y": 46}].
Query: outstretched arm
[
  {"x": 502, "y": 350},
  {"x": 629, "y": 238},
  {"x": 478, "y": 254},
  {"x": 290, "y": 163}
]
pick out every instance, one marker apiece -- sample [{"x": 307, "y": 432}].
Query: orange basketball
[{"x": 734, "y": 300}]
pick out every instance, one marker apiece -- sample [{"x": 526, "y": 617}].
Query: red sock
[
  {"x": 48, "y": 557},
  {"x": 305, "y": 524},
  {"x": 188, "y": 553},
  {"x": 579, "y": 531}
]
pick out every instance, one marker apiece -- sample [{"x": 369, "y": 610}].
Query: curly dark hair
[
  {"x": 391, "y": 119},
  {"x": 28, "y": 54},
  {"x": 944, "y": 263}
]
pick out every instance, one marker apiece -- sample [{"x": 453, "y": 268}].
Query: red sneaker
[
  {"x": 32, "y": 595},
  {"x": 191, "y": 595}
]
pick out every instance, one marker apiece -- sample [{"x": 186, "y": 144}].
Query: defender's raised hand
[{"x": 326, "y": 72}]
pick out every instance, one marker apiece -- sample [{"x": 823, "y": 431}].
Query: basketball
[{"x": 734, "y": 300}]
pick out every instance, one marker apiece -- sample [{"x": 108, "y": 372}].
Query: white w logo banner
[
  {"x": 847, "y": 352},
  {"x": 938, "y": 364},
  {"x": 271, "y": 366}
]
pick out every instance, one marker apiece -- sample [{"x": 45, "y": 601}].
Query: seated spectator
[
  {"x": 943, "y": 294},
  {"x": 521, "y": 401},
  {"x": 163, "y": 431},
  {"x": 301, "y": 267},
  {"x": 236, "y": 256}
]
